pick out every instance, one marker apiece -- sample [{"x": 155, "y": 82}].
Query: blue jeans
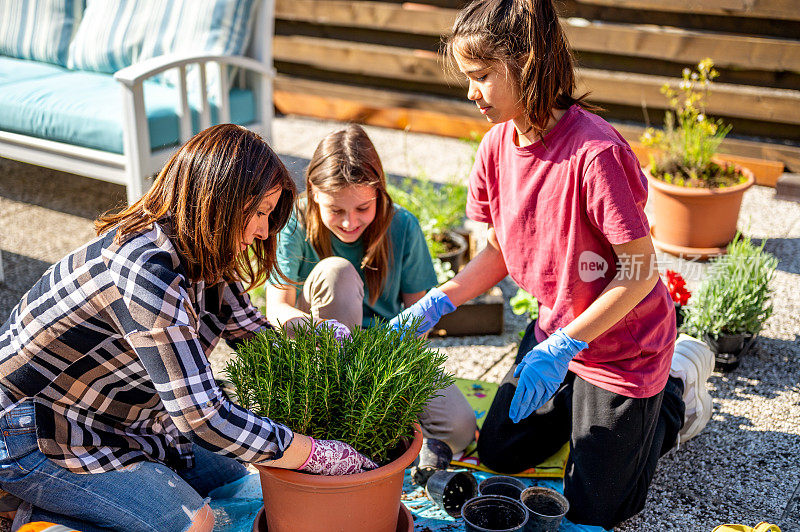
[{"x": 146, "y": 497}]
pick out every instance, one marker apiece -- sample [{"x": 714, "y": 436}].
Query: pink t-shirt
[{"x": 557, "y": 207}]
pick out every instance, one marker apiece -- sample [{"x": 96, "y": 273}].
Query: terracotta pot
[
  {"x": 405, "y": 521},
  {"x": 695, "y": 221},
  {"x": 315, "y": 503}
]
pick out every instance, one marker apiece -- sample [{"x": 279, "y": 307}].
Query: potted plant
[
  {"x": 733, "y": 302},
  {"x": 440, "y": 209},
  {"x": 676, "y": 285},
  {"x": 368, "y": 391},
  {"x": 524, "y": 303},
  {"x": 696, "y": 197}
]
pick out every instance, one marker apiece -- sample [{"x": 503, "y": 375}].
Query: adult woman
[{"x": 105, "y": 386}]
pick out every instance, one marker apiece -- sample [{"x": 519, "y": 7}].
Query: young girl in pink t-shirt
[{"x": 564, "y": 199}]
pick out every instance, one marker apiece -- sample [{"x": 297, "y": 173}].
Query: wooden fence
[{"x": 378, "y": 62}]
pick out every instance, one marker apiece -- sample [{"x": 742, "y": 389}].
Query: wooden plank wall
[{"x": 378, "y": 62}]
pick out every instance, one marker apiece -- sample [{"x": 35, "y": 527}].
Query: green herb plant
[
  {"x": 524, "y": 303},
  {"x": 439, "y": 207},
  {"x": 686, "y": 147},
  {"x": 736, "y": 296},
  {"x": 368, "y": 391}
]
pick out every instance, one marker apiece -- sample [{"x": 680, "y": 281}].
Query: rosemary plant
[{"x": 367, "y": 392}]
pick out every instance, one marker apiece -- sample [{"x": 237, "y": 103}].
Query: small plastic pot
[
  {"x": 494, "y": 513},
  {"x": 546, "y": 507},
  {"x": 501, "y": 485},
  {"x": 451, "y": 489},
  {"x": 729, "y": 349}
]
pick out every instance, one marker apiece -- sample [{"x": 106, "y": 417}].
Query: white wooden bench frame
[{"x": 137, "y": 163}]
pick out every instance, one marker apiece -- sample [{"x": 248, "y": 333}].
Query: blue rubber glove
[
  {"x": 541, "y": 372},
  {"x": 430, "y": 308}
]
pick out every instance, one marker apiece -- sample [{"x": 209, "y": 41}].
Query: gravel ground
[{"x": 743, "y": 467}]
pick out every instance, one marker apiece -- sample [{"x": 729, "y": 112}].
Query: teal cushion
[
  {"x": 38, "y": 29},
  {"x": 85, "y": 109},
  {"x": 14, "y": 70},
  {"x": 142, "y": 29}
]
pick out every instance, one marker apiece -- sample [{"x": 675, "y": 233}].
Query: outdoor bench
[{"x": 109, "y": 88}]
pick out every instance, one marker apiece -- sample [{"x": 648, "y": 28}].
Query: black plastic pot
[
  {"x": 546, "y": 508},
  {"x": 494, "y": 513},
  {"x": 451, "y": 489},
  {"x": 679, "y": 316},
  {"x": 501, "y": 485},
  {"x": 457, "y": 256},
  {"x": 729, "y": 349}
]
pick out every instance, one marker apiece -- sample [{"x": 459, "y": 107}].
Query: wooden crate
[{"x": 478, "y": 316}]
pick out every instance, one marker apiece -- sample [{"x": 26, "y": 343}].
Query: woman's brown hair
[
  {"x": 526, "y": 36},
  {"x": 205, "y": 195},
  {"x": 345, "y": 158}
]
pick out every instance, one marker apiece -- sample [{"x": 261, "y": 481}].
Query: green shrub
[
  {"x": 524, "y": 303},
  {"x": 367, "y": 392},
  {"x": 735, "y": 297},
  {"x": 438, "y": 206}
]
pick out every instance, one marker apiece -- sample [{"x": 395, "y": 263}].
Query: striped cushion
[
  {"x": 39, "y": 30},
  {"x": 118, "y": 33}
]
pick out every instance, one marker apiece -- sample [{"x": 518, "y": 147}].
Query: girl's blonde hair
[
  {"x": 346, "y": 158},
  {"x": 526, "y": 37},
  {"x": 205, "y": 195}
]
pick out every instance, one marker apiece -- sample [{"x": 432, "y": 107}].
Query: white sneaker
[{"x": 693, "y": 362}]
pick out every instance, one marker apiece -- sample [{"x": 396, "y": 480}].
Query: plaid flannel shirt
[{"x": 112, "y": 344}]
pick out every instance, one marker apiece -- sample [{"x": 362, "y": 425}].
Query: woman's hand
[
  {"x": 332, "y": 457},
  {"x": 541, "y": 372},
  {"x": 429, "y": 309},
  {"x": 340, "y": 330}
]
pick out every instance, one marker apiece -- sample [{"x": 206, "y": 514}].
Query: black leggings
[{"x": 615, "y": 441}]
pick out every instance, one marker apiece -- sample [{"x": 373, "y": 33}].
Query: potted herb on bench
[
  {"x": 733, "y": 302},
  {"x": 696, "y": 197},
  {"x": 369, "y": 391}
]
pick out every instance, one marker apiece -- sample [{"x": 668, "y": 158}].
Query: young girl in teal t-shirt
[{"x": 358, "y": 258}]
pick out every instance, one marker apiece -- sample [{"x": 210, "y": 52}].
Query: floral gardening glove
[
  {"x": 332, "y": 457},
  {"x": 541, "y": 372},
  {"x": 430, "y": 309},
  {"x": 340, "y": 330}
]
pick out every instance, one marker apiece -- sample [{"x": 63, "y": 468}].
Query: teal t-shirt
[{"x": 411, "y": 266}]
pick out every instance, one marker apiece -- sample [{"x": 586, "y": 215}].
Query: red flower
[{"x": 677, "y": 288}]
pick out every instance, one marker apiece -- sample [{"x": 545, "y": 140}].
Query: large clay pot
[
  {"x": 315, "y": 503},
  {"x": 699, "y": 222}
]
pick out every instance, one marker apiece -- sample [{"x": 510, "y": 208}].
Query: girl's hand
[
  {"x": 340, "y": 330},
  {"x": 332, "y": 457},
  {"x": 541, "y": 372},
  {"x": 429, "y": 309}
]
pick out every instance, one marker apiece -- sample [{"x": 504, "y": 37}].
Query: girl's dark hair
[
  {"x": 526, "y": 36},
  {"x": 206, "y": 194},
  {"x": 342, "y": 159}
]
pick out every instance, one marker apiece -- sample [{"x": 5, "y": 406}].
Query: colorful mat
[
  {"x": 429, "y": 518},
  {"x": 480, "y": 395}
]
